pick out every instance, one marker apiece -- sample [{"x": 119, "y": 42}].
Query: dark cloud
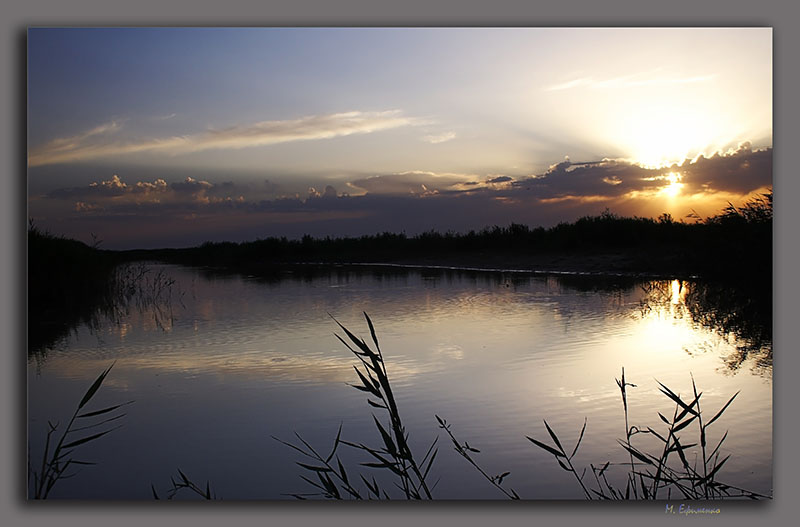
[
  {"x": 191, "y": 185},
  {"x": 330, "y": 192},
  {"x": 411, "y": 202},
  {"x": 606, "y": 178},
  {"x": 410, "y": 183},
  {"x": 500, "y": 179},
  {"x": 113, "y": 187},
  {"x": 740, "y": 172},
  {"x": 270, "y": 187}
]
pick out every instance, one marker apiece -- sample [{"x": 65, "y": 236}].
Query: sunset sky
[{"x": 172, "y": 137}]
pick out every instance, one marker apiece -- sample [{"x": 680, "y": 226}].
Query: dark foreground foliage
[
  {"x": 395, "y": 454},
  {"x": 663, "y": 474},
  {"x": 653, "y": 474},
  {"x": 58, "y": 460}
]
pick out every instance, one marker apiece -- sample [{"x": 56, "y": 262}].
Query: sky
[{"x": 170, "y": 137}]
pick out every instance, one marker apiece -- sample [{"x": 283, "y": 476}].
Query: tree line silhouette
[
  {"x": 70, "y": 282},
  {"x": 734, "y": 243}
]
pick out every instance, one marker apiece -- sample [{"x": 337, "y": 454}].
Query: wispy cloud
[
  {"x": 64, "y": 145},
  {"x": 96, "y": 143},
  {"x": 626, "y": 81},
  {"x": 439, "y": 138}
]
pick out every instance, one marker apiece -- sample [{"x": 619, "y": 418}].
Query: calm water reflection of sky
[{"x": 236, "y": 360}]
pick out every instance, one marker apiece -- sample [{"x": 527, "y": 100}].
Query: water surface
[{"x": 234, "y": 360}]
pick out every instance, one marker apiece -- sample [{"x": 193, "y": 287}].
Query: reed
[
  {"x": 649, "y": 475},
  {"x": 184, "y": 483},
  {"x": 465, "y": 451},
  {"x": 395, "y": 454},
  {"x": 654, "y": 473},
  {"x": 55, "y": 463}
]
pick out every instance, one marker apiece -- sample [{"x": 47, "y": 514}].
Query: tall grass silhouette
[
  {"x": 657, "y": 472},
  {"x": 650, "y": 475},
  {"x": 55, "y": 464},
  {"x": 395, "y": 455}
]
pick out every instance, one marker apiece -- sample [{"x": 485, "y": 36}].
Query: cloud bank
[{"x": 412, "y": 201}]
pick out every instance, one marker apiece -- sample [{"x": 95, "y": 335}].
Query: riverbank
[{"x": 733, "y": 245}]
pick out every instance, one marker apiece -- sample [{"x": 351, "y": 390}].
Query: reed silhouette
[
  {"x": 58, "y": 457},
  {"x": 395, "y": 455},
  {"x": 649, "y": 473}
]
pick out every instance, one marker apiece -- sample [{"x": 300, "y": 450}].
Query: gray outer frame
[{"x": 17, "y": 15}]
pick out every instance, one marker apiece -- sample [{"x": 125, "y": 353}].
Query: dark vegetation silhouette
[
  {"x": 735, "y": 243},
  {"x": 71, "y": 283},
  {"x": 68, "y": 282},
  {"x": 394, "y": 455},
  {"x": 667, "y": 470}
]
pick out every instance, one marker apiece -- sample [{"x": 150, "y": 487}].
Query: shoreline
[
  {"x": 600, "y": 273},
  {"x": 589, "y": 264}
]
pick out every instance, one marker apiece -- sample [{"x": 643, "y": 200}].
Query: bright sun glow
[
  {"x": 670, "y": 128},
  {"x": 674, "y": 185},
  {"x": 678, "y": 293}
]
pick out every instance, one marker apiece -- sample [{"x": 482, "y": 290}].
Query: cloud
[
  {"x": 110, "y": 188},
  {"x": 408, "y": 202},
  {"x": 328, "y": 193},
  {"x": 739, "y": 171},
  {"x": 439, "y": 138},
  {"x": 95, "y": 144},
  {"x": 413, "y": 182},
  {"x": 191, "y": 185},
  {"x": 500, "y": 179},
  {"x": 65, "y": 145},
  {"x": 626, "y": 81},
  {"x": 115, "y": 194}
]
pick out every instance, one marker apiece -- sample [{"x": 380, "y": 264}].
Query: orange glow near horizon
[{"x": 673, "y": 189}]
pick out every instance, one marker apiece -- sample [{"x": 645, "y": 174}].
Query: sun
[
  {"x": 661, "y": 129},
  {"x": 657, "y": 138},
  {"x": 673, "y": 187}
]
